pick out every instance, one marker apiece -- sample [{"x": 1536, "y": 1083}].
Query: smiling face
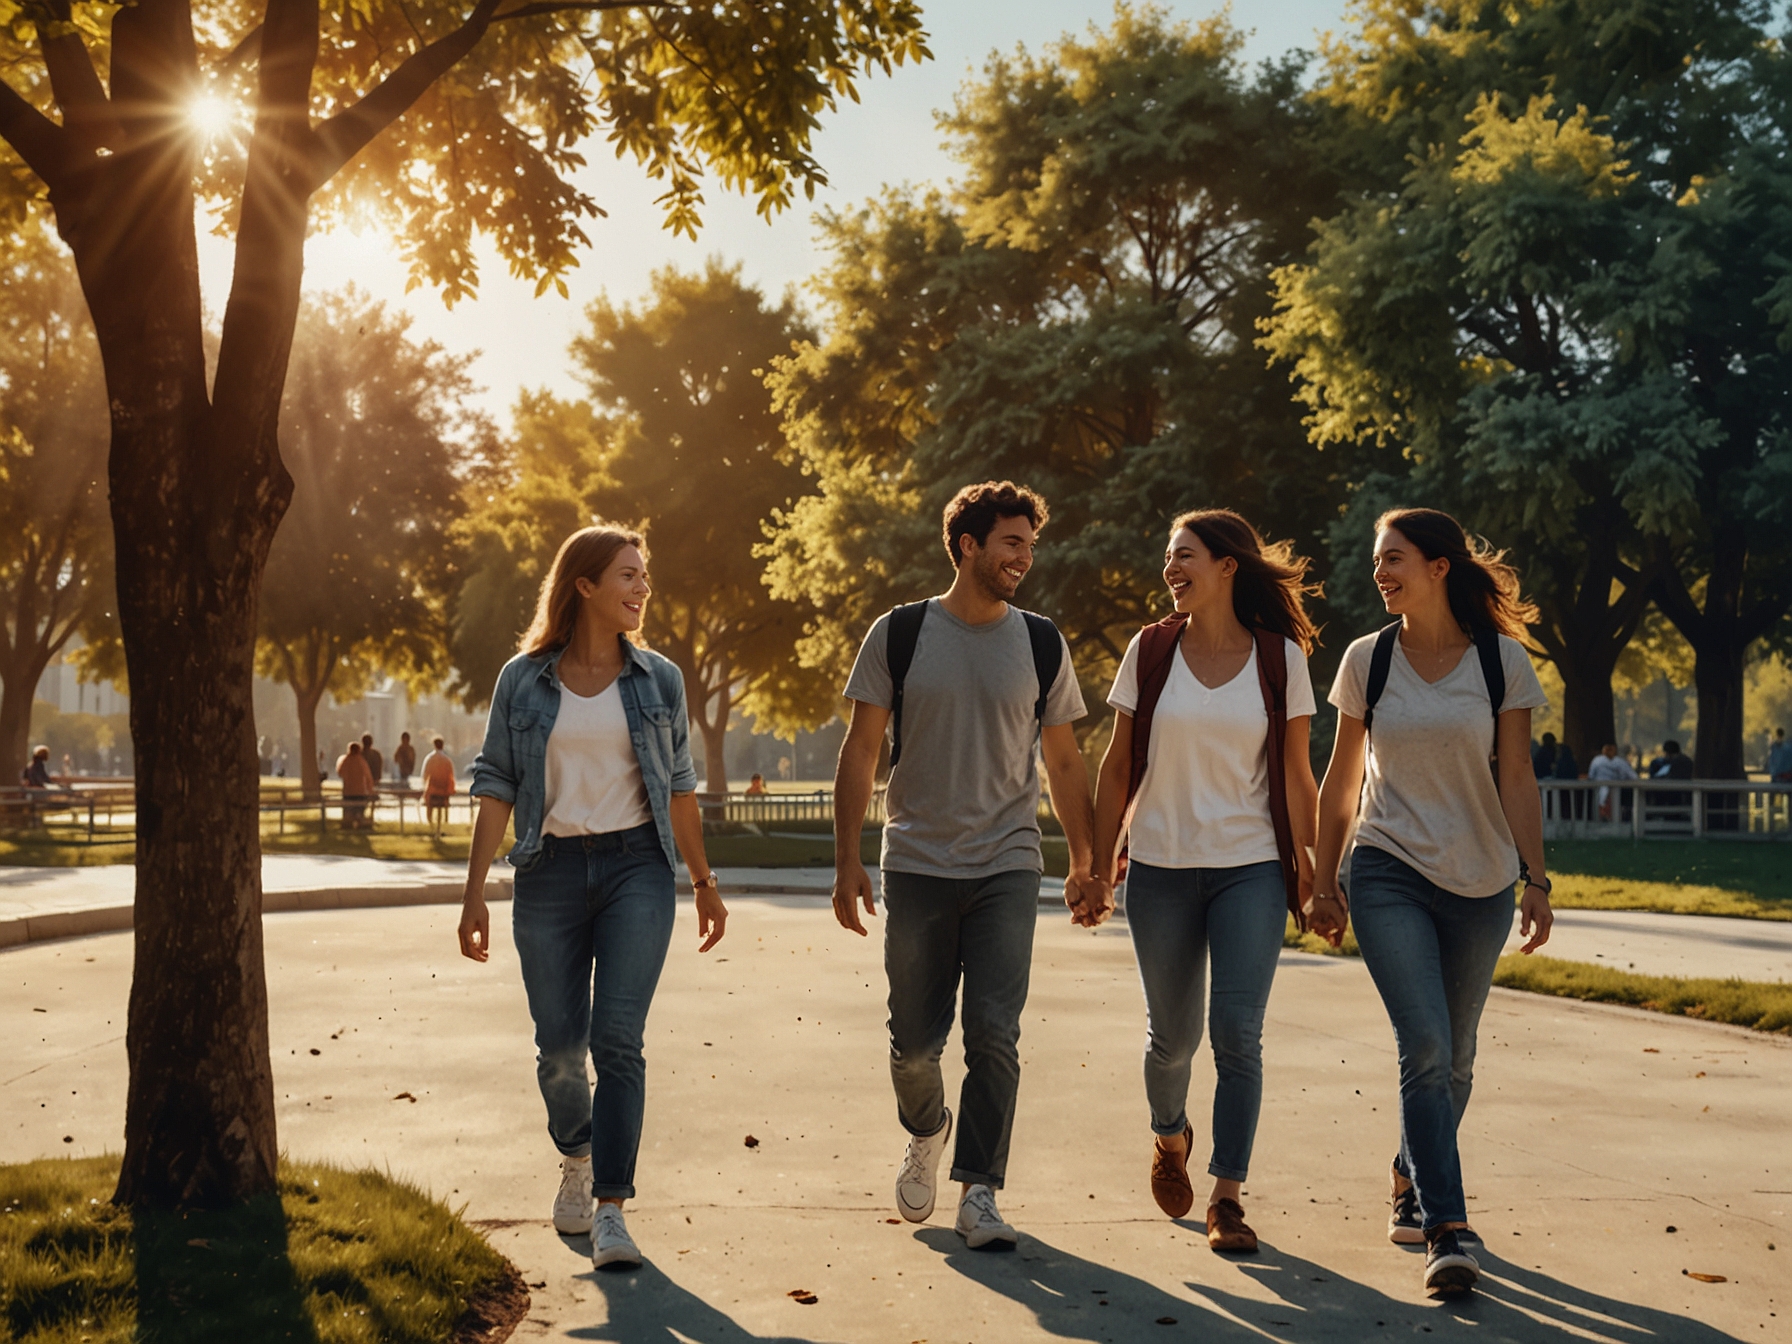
[
  {"x": 1002, "y": 561},
  {"x": 618, "y": 600},
  {"x": 1406, "y": 580},
  {"x": 1194, "y": 574}
]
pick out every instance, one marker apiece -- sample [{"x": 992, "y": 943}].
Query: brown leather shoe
[
  {"x": 1169, "y": 1176},
  {"x": 1227, "y": 1229}
]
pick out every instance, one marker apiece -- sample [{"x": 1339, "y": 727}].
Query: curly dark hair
[
  {"x": 973, "y": 512},
  {"x": 1270, "y": 589}
]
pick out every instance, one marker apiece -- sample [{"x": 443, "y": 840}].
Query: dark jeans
[
  {"x": 1431, "y": 954},
  {"x": 935, "y": 930},
  {"x": 1179, "y": 919},
  {"x": 593, "y": 918}
]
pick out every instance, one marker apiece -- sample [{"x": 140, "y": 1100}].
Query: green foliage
[
  {"x": 1542, "y": 305},
  {"x": 55, "y": 534},
  {"x": 376, "y": 437},
  {"x": 1077, "y": 315},
  {"x": 736, "y": 89},
  {"x": 339, "y": 1257}
]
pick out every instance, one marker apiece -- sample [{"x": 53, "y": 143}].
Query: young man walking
[{"x": 967, "y": 684}]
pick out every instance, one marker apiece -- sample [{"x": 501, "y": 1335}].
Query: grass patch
[
  {"x": 1742, "y": 1003},
  {"x": 1761, "y": 869},
  {"x": 338, "y": 1257},
  {"x": 1580, "y": 891}
]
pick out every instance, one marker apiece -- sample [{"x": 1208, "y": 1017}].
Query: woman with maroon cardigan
[{"x": 1208, "y": 767}]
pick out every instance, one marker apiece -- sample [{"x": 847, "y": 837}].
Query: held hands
[
  {"x": 852, "y": 886},
  {"x": 1090, "y": 898},
  {"x": 475, "y": 928},
  {"x": 1533, "y": 910},
  {"x": 1328, "y": 916}
]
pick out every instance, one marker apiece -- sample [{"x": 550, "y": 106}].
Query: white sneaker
[
  {"x": 572, "y": 1206},
  {"x": 979, "y": 1223},
  {"x": 920, "y": 1168},
  {"x": 610, "y": 1241}
]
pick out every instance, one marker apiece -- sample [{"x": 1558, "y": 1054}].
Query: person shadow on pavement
[
  {"x": 646, "y": 1307},
  {"x": 1077, "y": 1299}
]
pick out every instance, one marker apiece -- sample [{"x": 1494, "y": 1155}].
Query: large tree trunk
[
  {"x": 307, "y": 703},
  {"x": 715, "y": 764}
]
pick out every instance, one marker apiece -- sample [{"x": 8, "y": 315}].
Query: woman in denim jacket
[{"x": 587, "y": 747}]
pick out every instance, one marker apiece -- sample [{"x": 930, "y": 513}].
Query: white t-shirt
[
  {"x": 1204, "y": 801},
  {"x": 593, "y": 776},
  {"x": 1429, "y": 798}
]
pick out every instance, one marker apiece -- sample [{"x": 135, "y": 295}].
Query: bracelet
[
  {"x": 698, "y": 883},
  {"x": 1546, "y": 886}
]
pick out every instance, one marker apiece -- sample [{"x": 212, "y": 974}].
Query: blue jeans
[
  {"x": 1431, "y": 954},
  {"x": 593, "y": 917},
  {"x": 1180, "y": 918},
  {"x": 935, "y": 930}
]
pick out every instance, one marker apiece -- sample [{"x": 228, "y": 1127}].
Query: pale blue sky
[{"x": 888, "y": 137}]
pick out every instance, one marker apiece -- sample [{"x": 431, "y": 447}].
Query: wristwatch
[{"x": 709, "y": 880}]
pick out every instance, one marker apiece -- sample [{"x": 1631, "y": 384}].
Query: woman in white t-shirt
[
  {"x": 587, "y": 749},
  {"x": 1221, "y": 827},
  {"x": 1439, "y": 843}
]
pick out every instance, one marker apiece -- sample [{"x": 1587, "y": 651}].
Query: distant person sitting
[
  {"x": 404, "y": 759},
  {"x": 438, "y": 787},
  {"x": 1543, "y": 757},
  {"x": 357, "y": 788},
  {"x": 36, "y": 774},
  {"x": 1672, "y": 764},
  {"x": 756, "y": 785},
  {"x": 1609, "y": 765},
  {"x": 375, "y": 761},
  {"x": 1779, "y": 758}
]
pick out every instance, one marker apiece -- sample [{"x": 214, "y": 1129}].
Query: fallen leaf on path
[
  {"x": 1650, "y": 1050},
  {"x": 316, "y": 1051},
  {"x": 542, "y": 1284},
  {"x": 804, "y": 1296},
  {"x": 201, "y": 1243},
  {"x": 896, "y": 1221},
  {"x": 1705, "y": 1278},
  {"x": 751, "y": 1142},
  {"x": 405, "y": 1096}
]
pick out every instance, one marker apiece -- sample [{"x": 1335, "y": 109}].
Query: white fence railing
[{"x": 1647, "y": 809}]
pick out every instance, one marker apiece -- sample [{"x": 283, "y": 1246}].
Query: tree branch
[
  {"x": 583, "y": 6},
  {"x": 86, "y": 111},
  {"x": 40, "y": 142},
  {"x": 346, "y": 134},
  {"x": 249, "y": 49}
]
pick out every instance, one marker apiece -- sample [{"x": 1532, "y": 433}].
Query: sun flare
[{"x": 210, "y": 115}]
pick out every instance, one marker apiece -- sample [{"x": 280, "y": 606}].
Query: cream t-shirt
[
  {"x": 593, "y": 776},
  {"x": 1429, "y": 798},
  {"x": 1204, "y": 801}
]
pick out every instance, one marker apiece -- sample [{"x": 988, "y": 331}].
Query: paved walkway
[
  {"x": 1593, "y": 1130},
  {"x": 40, "y": 903}
]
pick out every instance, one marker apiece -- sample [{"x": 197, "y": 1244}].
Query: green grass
[
  {"x": 1742, "y": 1003},
  {"x": 339, "y": 1257},
  {"x": 1758, "y": 869}
]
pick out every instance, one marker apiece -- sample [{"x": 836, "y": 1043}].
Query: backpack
[
  {"x": 1487, "y": 645},
  {"x": 904, "y": 632},
  {"x": 1158, "y": 646}
]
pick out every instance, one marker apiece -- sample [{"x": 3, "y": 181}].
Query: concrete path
[
  {"x": 1686, "y": 946},
  {"x": 1593, "y": 1131}
]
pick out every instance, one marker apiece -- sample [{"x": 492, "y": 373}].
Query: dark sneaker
[
  {"x": 1169, "y": 1176},
  {"x": 1448, "y": 1268},
  {"x": 1404, "y": 1227}
]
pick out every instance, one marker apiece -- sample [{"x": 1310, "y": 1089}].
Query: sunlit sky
[{"x": 888, "y": 137}]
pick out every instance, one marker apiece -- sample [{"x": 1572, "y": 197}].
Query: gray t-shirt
[
  {"x": 1429, "y": 798},
  {"x": 964, "y": 799}
]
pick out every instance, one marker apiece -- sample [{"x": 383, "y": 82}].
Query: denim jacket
[{"x": 512, "y": 765}]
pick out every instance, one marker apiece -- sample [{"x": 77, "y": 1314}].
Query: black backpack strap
[
  {"x": 1379, "y": 662},
  {"x": 1048, "y": 658},
  {"x": 901, "y": 635},
  {"x": 1493, "y": 667}
]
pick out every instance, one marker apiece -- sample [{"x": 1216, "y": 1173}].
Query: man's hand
[
  {"x": 1090, "y": 898},
  {"x": 1534, "y": 912},
  {"x": 1328, "y": 918},
  {"x": 475, "y": 928},
  {"x": 852, "y": 885},
  {"x": 712, "y": 917}
]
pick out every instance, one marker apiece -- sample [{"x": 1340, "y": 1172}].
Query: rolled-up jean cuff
[
  {"x": 1219, "y": 1173},
  {"x": 944, "y": 1121},
  {"x": 976, "y": 1178},
  {"x": 1175, "y": 1131},
  {"x": 612, "y": 1192},
  {"x": 578, "y": 1150}
]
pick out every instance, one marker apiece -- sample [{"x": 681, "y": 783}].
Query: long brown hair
[
  {"x": 586, "y": 554},
  {"x": 1483, "y": 589},
  {"x": 1270, "y": 589}
]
